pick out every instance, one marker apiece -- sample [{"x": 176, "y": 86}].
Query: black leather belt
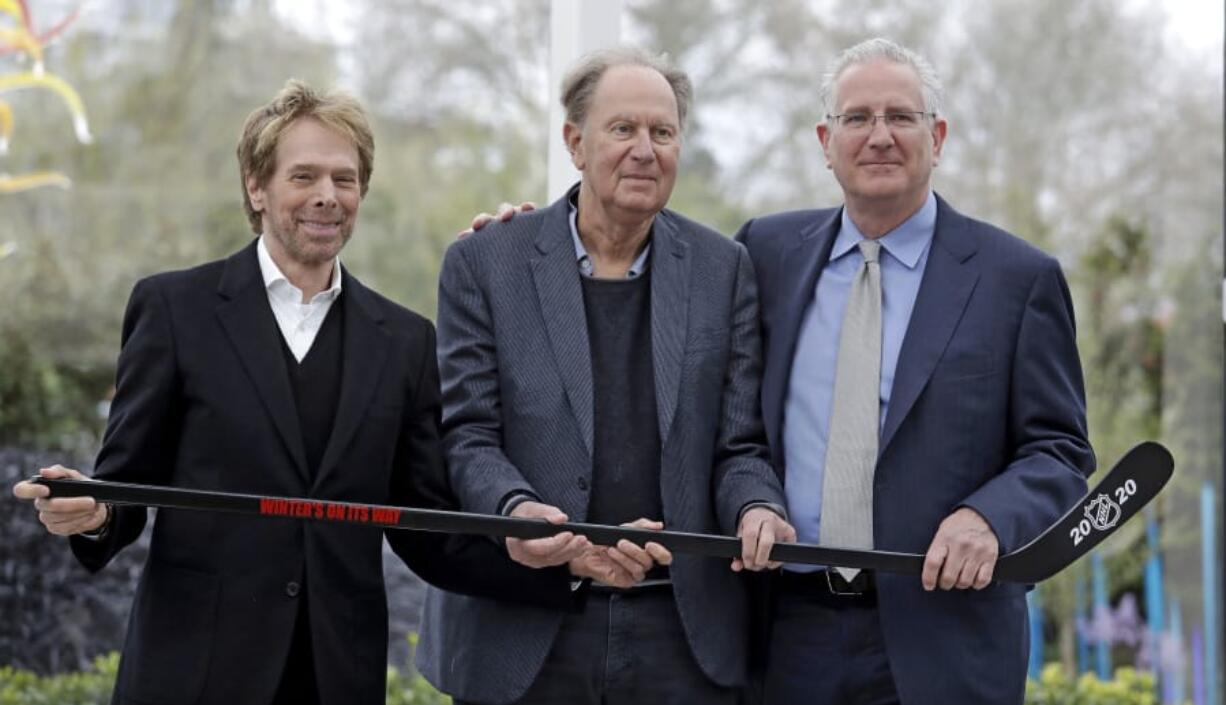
[
  {"x": 829, "y": 587},
  {"x": 652, "y": 586}
]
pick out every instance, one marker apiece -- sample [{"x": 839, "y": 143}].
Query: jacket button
[
  {"x": 292, "y": 588},
  {"x": 583, "y": 484}
]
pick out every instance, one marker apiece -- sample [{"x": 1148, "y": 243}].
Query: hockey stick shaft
[
  {"x": 393, "y": 517},
  {"x": 1137, "y": 478}
]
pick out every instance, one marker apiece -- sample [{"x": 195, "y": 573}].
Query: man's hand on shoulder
[
  {"x": 962, "y": 554},
  {"x": 554, "y": 550},
  {"x": 63, "y": 516},
  {"x": 506, "y": 211}
]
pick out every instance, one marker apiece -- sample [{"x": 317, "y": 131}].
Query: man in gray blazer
[{"x": 600, "y": 362}]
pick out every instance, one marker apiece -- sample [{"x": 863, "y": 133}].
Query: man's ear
[
  {"x": 255, "y": 193},
  {"x": 823, "y": 136},
  {"x": 939, "y": 129},
  {"x": 572, "y": 135}
]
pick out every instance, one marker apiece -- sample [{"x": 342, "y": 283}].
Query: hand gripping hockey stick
[{"x": 1130, "y": 485}]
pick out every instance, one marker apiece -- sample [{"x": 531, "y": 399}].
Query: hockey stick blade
[{"x": 1127, "y": 487}]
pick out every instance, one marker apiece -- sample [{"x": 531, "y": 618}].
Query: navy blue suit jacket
[{"x": 987, "y": 411}]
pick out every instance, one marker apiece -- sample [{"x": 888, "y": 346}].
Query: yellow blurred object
[
  {"x": 6, "y": 126},
  {"x": 50, "y": 81},
  {"x": 20, "y": 38},
  {"x": 12, "y": 7},
  {"x": 33, "y": 180}
]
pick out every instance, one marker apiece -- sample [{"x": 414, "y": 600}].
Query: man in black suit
[{"x": 274, "y": 372}]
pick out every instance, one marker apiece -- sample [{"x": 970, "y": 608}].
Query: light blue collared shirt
[
  {"x": 585, "y": 260},
  {"x": 806, "y": 412}
]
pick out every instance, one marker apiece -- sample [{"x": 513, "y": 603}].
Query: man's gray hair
[
  {"x": 880, "y": 48},
  {"x": 580, "y": 82}
]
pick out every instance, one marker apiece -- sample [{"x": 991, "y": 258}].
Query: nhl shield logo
[{"x": 1102, "y": 512}]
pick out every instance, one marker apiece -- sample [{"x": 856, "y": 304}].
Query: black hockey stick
[{"x": 1133, "y": 482}]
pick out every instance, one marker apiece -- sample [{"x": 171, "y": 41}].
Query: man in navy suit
[{"x": 962, "y": 338}]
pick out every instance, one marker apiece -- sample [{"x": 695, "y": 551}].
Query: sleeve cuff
[
  {"x": 782, "y": 512},
  {"x": 508, "y": 505},
  {"x": 101, "y": 532},
  {"x": 513, "y": 500}
]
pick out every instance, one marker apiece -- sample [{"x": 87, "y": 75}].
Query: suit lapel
[
  {"x": 365, "y": 350},
  {"x": 670, "y": 296},
  {"x": 799, "y": 267},
  {"x": 949, "y": 279},
  {"x": 560, "y": 294},
  {"x": 247, "y": 319}
]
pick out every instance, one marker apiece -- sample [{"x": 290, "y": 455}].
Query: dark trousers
[
  {"x": 827, "y": 650},
  {"x": 624, "y": 648},
  {"x": 298, "y": 685}
]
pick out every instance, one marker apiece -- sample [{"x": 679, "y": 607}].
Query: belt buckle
[{"x": 840, "y": 593}]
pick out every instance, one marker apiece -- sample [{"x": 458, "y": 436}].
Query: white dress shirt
[{"x": 299, "y": 322}]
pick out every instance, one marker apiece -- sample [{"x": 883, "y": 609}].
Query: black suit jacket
[{"x": 203, "y": 400}]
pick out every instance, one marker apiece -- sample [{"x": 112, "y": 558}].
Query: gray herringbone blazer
[{"x": 517, "y": 415}]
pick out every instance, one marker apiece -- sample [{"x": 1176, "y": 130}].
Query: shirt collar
[
  {"x": 905, "y": 243},
  {"x": 585, "y": 260},
  {"x": 276, "y": 282}
]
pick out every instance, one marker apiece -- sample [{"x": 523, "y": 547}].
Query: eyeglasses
[{"x": 863, "y": 122}]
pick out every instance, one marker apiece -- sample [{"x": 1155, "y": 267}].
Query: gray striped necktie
[{"x": 851, "y": 451}]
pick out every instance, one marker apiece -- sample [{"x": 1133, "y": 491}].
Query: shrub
[
  {"x": 42, "y": 404},
  {"x": 93, "y": 685},
  {"x": 410, "y": 688},
  {"x": 89, "y": 687},
  {"x": 1055, "y": 687}
]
